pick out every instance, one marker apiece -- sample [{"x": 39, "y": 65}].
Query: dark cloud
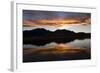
[{"x": 36, "y": 15}]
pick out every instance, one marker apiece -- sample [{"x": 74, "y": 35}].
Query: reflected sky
[{"x": 76, "y": 43}]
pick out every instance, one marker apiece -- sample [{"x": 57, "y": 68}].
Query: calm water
[{"x": 74, "y": 50}]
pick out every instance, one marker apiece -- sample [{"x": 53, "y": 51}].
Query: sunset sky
[{"x": 53, "y": 20}]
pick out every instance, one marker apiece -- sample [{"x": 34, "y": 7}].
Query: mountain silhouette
[
  {"x": 42, "y": 36},
  {"x": 41, "y": 32}
]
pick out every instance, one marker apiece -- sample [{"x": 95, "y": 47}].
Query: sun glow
[{"x": 61, "y": 23}]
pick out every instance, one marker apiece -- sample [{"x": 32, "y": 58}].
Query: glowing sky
[{"x": 53, "y": 20}]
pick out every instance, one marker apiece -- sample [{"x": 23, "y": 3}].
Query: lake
[{"x": 53, "y": 51}]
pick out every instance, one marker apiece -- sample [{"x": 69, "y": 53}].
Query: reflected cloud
[
  {"x": 60, "y": 49},
  {"x": 54, "y": 48}
]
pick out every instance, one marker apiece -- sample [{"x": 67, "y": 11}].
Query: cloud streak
[{"x": 56, "y": 22}]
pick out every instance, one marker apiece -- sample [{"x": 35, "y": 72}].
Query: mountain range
[{"x": 42, "y": 36}]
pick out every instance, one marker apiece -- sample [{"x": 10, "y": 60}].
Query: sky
[{"x": 54, "y": 20}]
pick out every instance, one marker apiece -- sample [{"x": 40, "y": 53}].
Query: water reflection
[
  {"x": 79, "y": 43},
  {"x": 77, "y": 49}
]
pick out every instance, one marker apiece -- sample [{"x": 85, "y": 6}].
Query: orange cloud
[{"x": 56, "y": 22}]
